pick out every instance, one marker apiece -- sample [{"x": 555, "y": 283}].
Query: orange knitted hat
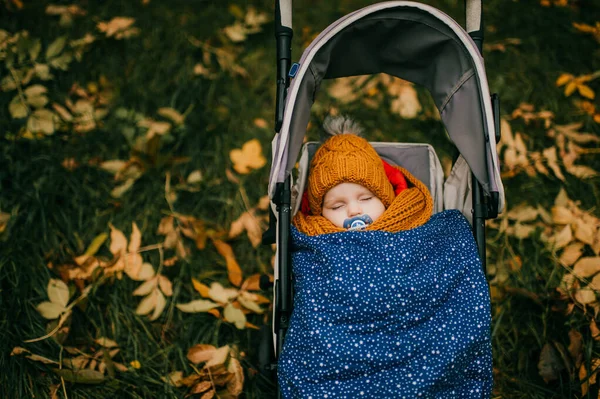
[{"x": 347, "y": 158}]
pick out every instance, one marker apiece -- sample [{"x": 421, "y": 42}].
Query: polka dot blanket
[{"x": 389, "y": 315}]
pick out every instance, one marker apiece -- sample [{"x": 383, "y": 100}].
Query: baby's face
[{"x": 347, "y": 200}]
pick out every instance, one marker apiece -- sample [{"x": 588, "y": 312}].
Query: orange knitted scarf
[{"x": 411, "y": 208}]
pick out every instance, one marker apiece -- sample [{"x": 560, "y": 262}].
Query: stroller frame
[{"x": 485, "y": 203}]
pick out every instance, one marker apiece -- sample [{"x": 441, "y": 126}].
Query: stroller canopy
[{"x": 414, "y": 42}]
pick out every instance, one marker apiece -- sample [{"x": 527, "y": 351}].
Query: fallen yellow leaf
[
  {"x": 248, "y": 158},
  {"x": 233, "y": 268}
]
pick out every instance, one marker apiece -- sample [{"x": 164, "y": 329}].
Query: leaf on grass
[
  {"x": 235, "y": 316},
  {"x": 247, "y": 222},
  {"x": 118, "y": 27},
  {"x": 523, "y": 213},
  {"x": 248, "y": 157},
  {"x": 58, "y": 292},
  {"x": 203, "y": 289},
  {"x": 4, "y": 218},
  {"x": 107, "y": 343},
  {"x": 197, "y": 306},
  {"x": 551, "y": 158},
  {"x": 236, "y": 32},
  {"x": 406, "y": 104},
  {"x": 201, "y": 353},
  {"x": 575, "y": 346},
  {"x": 571, "y": 253},
  {"x": 234, "y": 271},
  {"x": 582, "y": 171},
  {"x": 585, "y": 296},
  {"x": 84, "y": 376},
  {"x": 246, "y": 301},
  {"x": 595, "y": 331},
  {"x": 219, "y": 357},
  {"x": 587, "y": 266},
  {"x": 172, "y": 114},
  {"x": 154, "y": 302},
  {"x": 174, "y": 378},
  {"x": 146, "y": 288},
  {"x": 161, "y": 303},
  {"x": 584, "y": 231},
  {"x": 135, "y": 240},
  {"x": 17, "y": 108},
  {"x": 562, "y": 215},
  {"x": 37, "y": 358},
  {"x": 56, "y": 47},
  {"x": 96, "y": 243},
  {"x": 562, "y": 238},
  {"x": 550, "y": 364},
  {"x": 236, "y": 385},
  {"x": 194, "y": 177},
  {"x": 42, "y": 121},
  {"x": 220, "y": 294},
  {"x": 252, "y": 283}
]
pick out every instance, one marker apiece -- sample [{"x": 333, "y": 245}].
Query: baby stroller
[{"x": 412, "y": 41}]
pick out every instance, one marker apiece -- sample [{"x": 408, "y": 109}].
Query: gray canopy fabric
[{"x": 412, "y": 41}]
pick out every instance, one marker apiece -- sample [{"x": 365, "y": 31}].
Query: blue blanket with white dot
[{"x": 389, "y": 315}]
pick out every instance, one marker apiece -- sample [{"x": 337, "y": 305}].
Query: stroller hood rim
[{"x": 483, "y": 161}]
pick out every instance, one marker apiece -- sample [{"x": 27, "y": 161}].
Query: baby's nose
[{"x": 354, "y": 209}]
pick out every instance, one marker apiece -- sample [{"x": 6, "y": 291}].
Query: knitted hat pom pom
[{"x": 340, "y": 125}]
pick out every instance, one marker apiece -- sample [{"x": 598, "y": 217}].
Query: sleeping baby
[{"x": 351, "y": 187}]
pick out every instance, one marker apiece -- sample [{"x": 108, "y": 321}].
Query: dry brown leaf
[
  {"x": 584, "y": 232},
  {"x": 587, "y": 266},
  {"x": 219, "y": 357},
  {"x": 552, "y": 159},
  {"x": 4, "y": 218},
  {"x": 236, "y": 385},
  {"x": 562, "y": 199},
  {"x": 585, "y": 296},
  {"x": 220, "y": 294},
  {"x": 203, "y": 289},
  {"x": 595, "y": 330},
  {"x": 118, "y": 27},
  {"x": 520, "y": 230},
  {"x": 583, "y": 377},
  {"x": 571, "y": 253},
  {"x": 235, "y": 316},
  {"x": 523, "y": 213},
  {"x": 208, "y": 395},
  {"x": 251, "y": 224},
  {"x": 22, "y": 351},
  {"x": 261, "y": 123},
  {"x": 165, "y": 285},
  {"x": 562, "y": 215},
  {"x": 252, "y": 283},
  {"x": 175, "y": 378},
  {"x": 575, "y": 346},
  {"x": 200, "y": 387},
  {"x": 581, "y": 171},
  {"x": 562, "y": 238},
  {"x": 201, "y": 353},
  {"x": 234, "y": 271},
  {"x": 550, "y": 364},
  {"x": 166, "y": 225}
]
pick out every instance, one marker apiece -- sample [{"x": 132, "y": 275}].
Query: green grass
[{"x": 58, "y": 212}]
